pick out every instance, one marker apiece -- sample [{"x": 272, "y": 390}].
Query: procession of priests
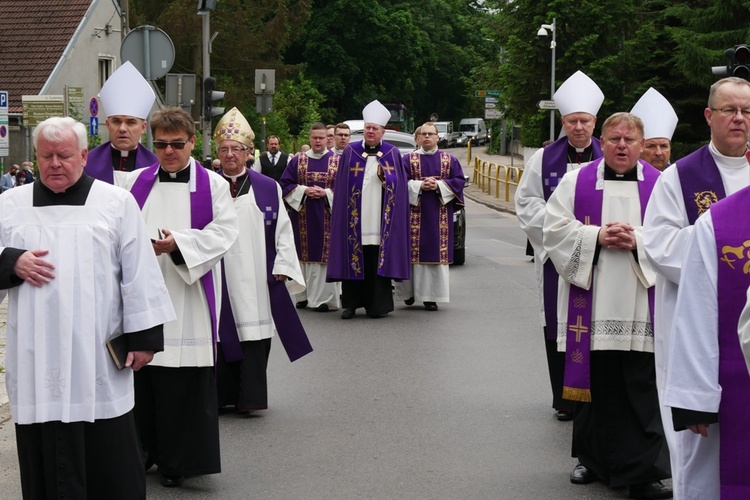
[{"x": 164, "y": 283}]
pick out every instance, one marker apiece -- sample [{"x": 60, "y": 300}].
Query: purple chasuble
[
  {"x": 554, "y": 166},
  {"x": 700, "y": 181},
  {"x": 288, "y": 325},
  {"x": 99, "y": 161},
  {"x": 201, "y": 214},
  {"x": 312, "y": 223},
  {"x": 345, "y": 260},
  {"x": 431, "y": 222},
  {"x": 588, "y": 210},
  {"x": 731, "y": 221}
]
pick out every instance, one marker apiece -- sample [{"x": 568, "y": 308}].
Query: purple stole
[
  {"x": 554, "y": 166},
  {"x": 288, "y": 325},
  {"x": 731, "y": 220},
  {"x": 201, "y": 214},
  {"x": 588, "y": 210},
  {"x": 99, "y": 162},
  {"x": 700, "y": 181}
]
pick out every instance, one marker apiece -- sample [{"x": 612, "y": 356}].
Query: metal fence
[{"x": 489, "y": 176}]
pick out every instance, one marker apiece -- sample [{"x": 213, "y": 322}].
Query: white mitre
[
  {"x": 376, "y": 113},
  {"x": 578, "y": 94},
  {"x": 658, "y": 116},
  {"x": 127, "y": 93}
]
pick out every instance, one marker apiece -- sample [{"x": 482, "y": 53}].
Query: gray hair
[
  {"x": 723, "y": 81},
  {"x": 55, "y": 128}
]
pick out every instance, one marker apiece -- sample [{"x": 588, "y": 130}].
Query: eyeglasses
[
  {"x": 173, "y": 144},
  {"x": 235, "y": 150},
  {"x": 329, "y": 135},
  {"x": 342, "y": 135},
  {"x": 427, "y": 134},
  {"x": 730, "y": 112}
]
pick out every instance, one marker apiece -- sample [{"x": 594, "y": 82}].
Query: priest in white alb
[
  {"x": 683, "y": 193},
  {"x": 578, "y": 99},
  {"x": 592, "y": 233},
  {"x": 192, "y": 223},
  {"x": 75, "y": 254},
  {"x": 259, "y": 271}
]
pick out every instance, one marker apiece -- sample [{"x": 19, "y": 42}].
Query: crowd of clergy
[
  {"x": 643, "y": 269},
  {"x": 164, "y": 281}
]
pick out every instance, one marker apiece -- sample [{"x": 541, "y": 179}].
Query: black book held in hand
[{"x": 118, "y": 349}]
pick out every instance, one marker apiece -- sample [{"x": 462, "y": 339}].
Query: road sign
[
  {"x": 93, "y": 125},
  {"x": 4, "y": 136},
  {"x": 490, "y": 105},
  {"x": 492, "y": 100},
  {"x": 546, "y": 105},
  {"x": 265, "y": 81},
  {"x": 492, "y": 114},
  {"x": 486, "y": 93},
  {"x": 93, "y": 106},
  {"x": 37, "y": 108},
  {"x": 150, "y": 50}
]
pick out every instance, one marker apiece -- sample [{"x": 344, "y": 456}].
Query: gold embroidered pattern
[
  {"x": 704, "y": 200},
  {"x": 390, "y": 178},
  {"x": 579, "y": 302},
  {"x": 302, "y": 214},
  {"x": 579, "y": 328},
  {"x": 731, "y": 255}
]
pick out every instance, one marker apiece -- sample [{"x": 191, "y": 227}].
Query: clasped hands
[
  {"x": 617, "y": 236},
  {"x": 429, "y": 184},
  {"x": 315, "y": 192}
]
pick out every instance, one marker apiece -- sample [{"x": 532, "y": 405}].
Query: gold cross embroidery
[
  {"x": 388, "y": 168},
  {"x": 356, "y": 169},
  {"x": 578, "y": 328}
]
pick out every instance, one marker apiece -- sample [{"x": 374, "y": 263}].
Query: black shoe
[
  {"x": 409, "y": 301},
  {"x": 564, "y": 415},
  {"x": 373, "y": 315},
  {"x": 301, "y": 304},
  {"x": 430, "y": 306},
  {"x": 650, "y": 491},
  {"x": 582, "y": 475},
  {"x": 172, "y": 481},
  {"x": 347, "y": 313},
  {"x": 322, "y": 308}
]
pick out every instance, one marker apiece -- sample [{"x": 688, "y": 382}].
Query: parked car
[
  {"x": 446, "y": 136},
  {"x": 475, "y": 129},
  {"x": 403, "y": 141}
]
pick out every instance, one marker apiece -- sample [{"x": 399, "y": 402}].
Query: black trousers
[
  {"x": 619, "y": 434},
  {"x": 177, "y": 418},
  {"x": 374, "y": 292},
  {"x": 245, "y": 383},
  {"x": 81, "y": 460}
]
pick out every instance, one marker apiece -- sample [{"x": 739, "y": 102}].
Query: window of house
[{"x": 105, "y": 69}]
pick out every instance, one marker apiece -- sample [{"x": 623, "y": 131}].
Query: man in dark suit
[{"x": 273, "y": 162}]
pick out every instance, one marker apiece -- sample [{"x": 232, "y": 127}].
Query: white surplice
[
  {"x": 188, "y": 341},
  {"x": 666, "y": 232},
  {"x": 692, "y": 375},
  {"x": 620, "y": 318},
  {"x": 531, "y": 209},
  {"x": 107, "y": 282},
  {"x": 246, "y": 271}
]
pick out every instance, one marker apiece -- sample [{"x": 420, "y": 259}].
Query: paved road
[{"x": 451, "y": 404}]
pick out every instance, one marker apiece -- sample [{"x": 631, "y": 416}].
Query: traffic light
[
  {"x": 739, "y": 63},
  {"x": 209, "y": 96}
]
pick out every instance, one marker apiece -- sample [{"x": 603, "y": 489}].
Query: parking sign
[{"x": 4, "y": 135}]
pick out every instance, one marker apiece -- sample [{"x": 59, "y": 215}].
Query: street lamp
[{"x": 543, "y": 32}]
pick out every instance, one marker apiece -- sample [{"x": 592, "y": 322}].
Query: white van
[{"x": 474, "y": 129}]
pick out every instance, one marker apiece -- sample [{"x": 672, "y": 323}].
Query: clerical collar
[
  {"x": 234, "y": 177},
  {"x": 182, "y": 175},
  {"x": 75, "y": 195},
  {"x": 422, "y": 151},
  {"x": 315, "y": 156},
  {"x": 371, "y": 150},
  {"x": 337, "y": 150},
  {"x": 580, "y": 150},
  {"x": 611, "y": 175}
]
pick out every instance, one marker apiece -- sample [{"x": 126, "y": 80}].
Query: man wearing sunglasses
[
  {"x": 192, "y": 222},
  {"x": 684, "y": 192},
  {"x": 127, "y": 99}
]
